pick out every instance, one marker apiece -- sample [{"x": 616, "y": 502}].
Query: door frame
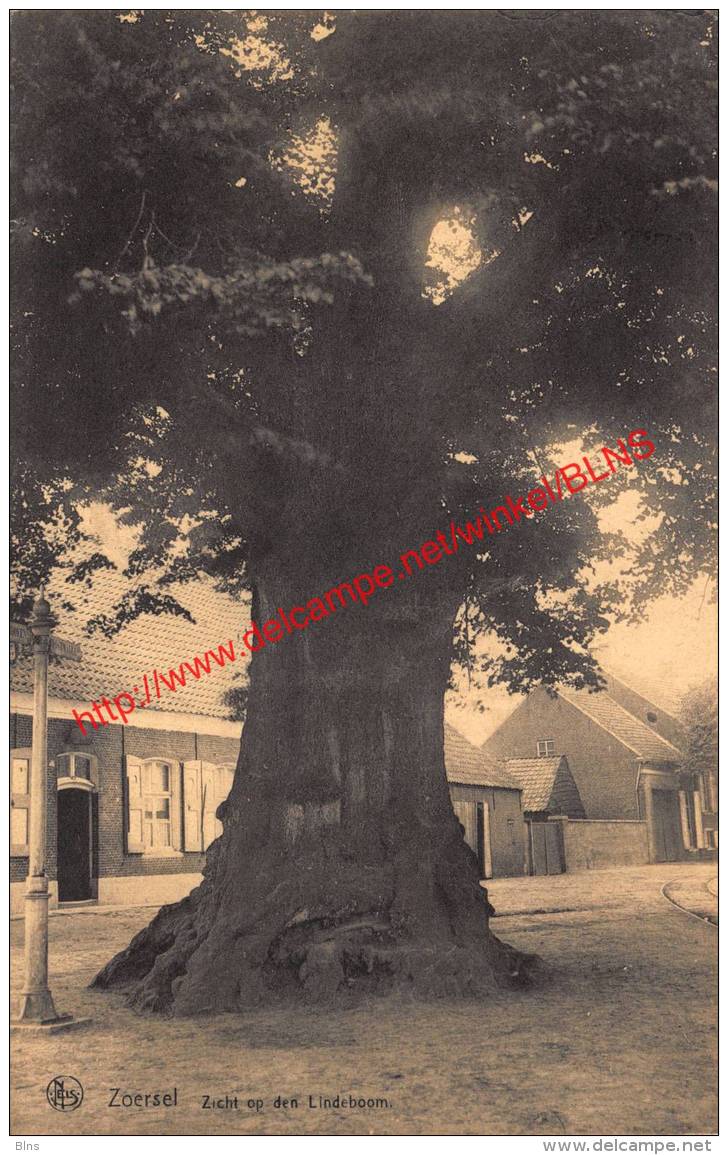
[
  {"x": 487, "y": 840},
  {"x": 88, "y": 788}
]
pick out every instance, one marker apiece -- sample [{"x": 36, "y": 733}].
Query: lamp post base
[
  {"x": 47, "y": 1026},
  {"x": 38, "y": 1013},
  {"x": 37, "y": 1007}
]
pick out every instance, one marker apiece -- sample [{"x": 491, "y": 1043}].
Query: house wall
[
  {"x": 710, "y": 828},
  {"x": 141, "y": 744},
  {"x": 122, "y": 878},
  {"x": 604, "y": 770},
  {"x": 506, "y": 825}
]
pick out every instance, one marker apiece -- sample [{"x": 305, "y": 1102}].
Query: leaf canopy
[{"x": 221, "y": 227}]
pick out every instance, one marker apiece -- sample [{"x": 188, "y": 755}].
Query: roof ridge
[
  {"x": 478, "y": 749},
  {"x": 571, "y": 696},
  {"x": 632, "y": 690}
]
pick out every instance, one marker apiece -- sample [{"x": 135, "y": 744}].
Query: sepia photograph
[{"x": 363, "y": 573}]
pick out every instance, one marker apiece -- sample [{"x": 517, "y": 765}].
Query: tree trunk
[{"x": 341, "y": 867}]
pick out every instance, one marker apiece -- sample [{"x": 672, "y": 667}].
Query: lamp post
[{"x": 37, "y": 1009}]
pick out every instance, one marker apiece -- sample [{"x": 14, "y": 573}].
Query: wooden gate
[
  {"x": 545, "y": 848},
  {"x": 667, "y": 833}
]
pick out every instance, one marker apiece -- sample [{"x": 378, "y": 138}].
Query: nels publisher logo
[{"x": 64, "y": 1093}]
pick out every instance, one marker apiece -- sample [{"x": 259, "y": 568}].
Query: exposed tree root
[{"x": 189, "y": 960}]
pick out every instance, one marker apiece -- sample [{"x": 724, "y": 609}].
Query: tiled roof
[
  {"x": 113, "y": 665},
  {"x": 469, "y": 766},
  {"x": 665, "y": 722},
  {"x": 651, "y": 699},
  {"x": 622, "y": 725},
  {"x": 536, "y": 777},
  {"x": 547, "y": 784}
]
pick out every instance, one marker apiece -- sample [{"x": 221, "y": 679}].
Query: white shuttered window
[{"x": 154, "y": 806}]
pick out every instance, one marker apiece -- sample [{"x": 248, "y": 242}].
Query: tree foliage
[
  {"x": 221, "y": 322},
  {"x": 699, "y": 719}
]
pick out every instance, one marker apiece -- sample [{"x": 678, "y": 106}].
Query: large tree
[{"x": 229, "y": 323}]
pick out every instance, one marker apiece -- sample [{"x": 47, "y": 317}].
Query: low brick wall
[{"x": 596, "y": 844}]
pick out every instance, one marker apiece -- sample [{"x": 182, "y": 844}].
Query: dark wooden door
[
  {"x": 547, "y": 855},
  {"x": 74, "y": 845},
  {"x": 668, "y": 835}
]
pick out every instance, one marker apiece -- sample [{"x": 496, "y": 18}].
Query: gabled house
[
  {"x": 667, "y": 726},
  {"x": 625, "y": 767}
]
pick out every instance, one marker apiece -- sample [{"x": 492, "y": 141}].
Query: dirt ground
[{"x": 621, "y": 1040}]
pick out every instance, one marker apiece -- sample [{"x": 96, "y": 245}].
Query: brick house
[
  {"x": 624, "y": 756},
  {"x": 131, "y": 808}
]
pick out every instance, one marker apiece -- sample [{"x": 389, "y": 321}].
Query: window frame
[
  {"x": 135, "y": 804},
  {"x": 160, "y": 826},
  {"x": 75, "y": 780},
  {"x": 546, "y": 742}
]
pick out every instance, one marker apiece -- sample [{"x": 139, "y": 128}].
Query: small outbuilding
[
  {"x": 549, "y": 790},
  {"x": 548, "y": 787},
  {"x": 487, "y": 802}
]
